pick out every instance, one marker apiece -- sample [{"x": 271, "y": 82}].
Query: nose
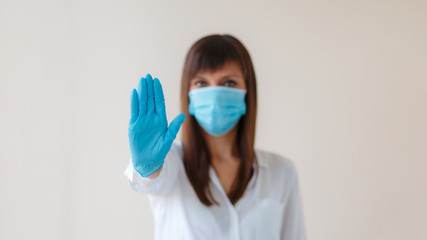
[{"x": 215, "y": 83}]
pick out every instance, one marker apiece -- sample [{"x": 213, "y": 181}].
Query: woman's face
[{"x": 229, "y": 75}]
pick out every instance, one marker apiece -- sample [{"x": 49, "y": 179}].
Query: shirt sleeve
[
  {"x": 163, "y": 183},
  {"x": 293, "y": 219}
]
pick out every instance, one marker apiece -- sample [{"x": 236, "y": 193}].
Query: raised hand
[{"x": 150, "y": 138}]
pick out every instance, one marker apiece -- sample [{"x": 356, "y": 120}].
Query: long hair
[{"x": 209, "y": 54}]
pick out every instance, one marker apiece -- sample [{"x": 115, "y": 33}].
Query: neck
[{"x": 222, "y": 148}]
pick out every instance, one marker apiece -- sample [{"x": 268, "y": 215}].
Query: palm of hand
[{"x": 150, "y": 139}]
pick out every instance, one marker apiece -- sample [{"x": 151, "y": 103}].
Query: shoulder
[
  {"x": 177, "y": 145},
  {"x": 276, "y": 165},
  {"x": 176, "y": 151}
]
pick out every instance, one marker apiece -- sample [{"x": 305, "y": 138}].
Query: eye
[
  {"x": 230, "y": 83},
  {"x": 200, "y": 84}
]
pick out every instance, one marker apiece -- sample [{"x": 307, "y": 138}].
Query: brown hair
[{"x": 209, "y": 54}]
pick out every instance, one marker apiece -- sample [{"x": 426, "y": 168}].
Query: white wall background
[{"x": 342, "y": 92}]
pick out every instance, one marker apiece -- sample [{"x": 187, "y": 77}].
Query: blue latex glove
[{"x": 150, "y": 138}]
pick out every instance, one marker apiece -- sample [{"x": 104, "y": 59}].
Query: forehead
[{"x": 229, "y": 68}]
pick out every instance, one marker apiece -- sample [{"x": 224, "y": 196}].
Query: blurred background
[{"x": 342, "y": 92}]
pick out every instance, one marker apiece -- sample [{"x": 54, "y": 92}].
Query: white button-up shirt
[{"x": 269, "y": 209}]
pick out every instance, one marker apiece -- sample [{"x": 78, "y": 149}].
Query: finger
[
  {"x": 134, "y": 106},
  {"x": 150, "y": 93},
  {"x": 142, "y": 96},
  {"x": 174, "y": 127},
  {"x": 159, "y": 99}
]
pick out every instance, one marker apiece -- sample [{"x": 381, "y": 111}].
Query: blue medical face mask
[{"x": 217, "y": 109}]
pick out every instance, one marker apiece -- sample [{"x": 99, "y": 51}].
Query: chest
[
  {"x": 227, "y": 174},
  {"x": 254, "y": 217}
]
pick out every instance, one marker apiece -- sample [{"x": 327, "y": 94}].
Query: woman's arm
[
  {"x": 155, "y": 174},
  {"x": 166, "y": 176},
  {"x": 293, "y": 219},
  {"x": 151, "y": 167}
]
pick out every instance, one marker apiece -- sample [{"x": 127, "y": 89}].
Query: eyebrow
[{"x": 226, "y": 76}]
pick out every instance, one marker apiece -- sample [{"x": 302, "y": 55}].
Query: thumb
[{"x": 174, "y": 127}]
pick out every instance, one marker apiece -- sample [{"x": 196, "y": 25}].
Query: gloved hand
[{"x": 150, "y": 138}]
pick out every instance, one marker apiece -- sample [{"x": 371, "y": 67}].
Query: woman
[{"x": 213, "y": 184}]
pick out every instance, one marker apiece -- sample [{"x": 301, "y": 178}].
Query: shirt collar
[{"x": 261, "y": 165}]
